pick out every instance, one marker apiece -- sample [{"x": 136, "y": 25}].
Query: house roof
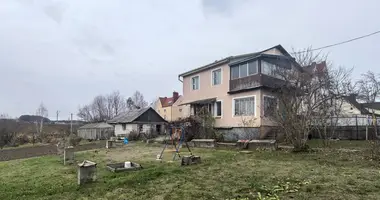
[
  {"x": 202, "y": 101},
  {"x": 168, "y": 101},
  {"x": 129, "y": 116},
  {"x": 96, "y": 125},
  {"x": 316, "y": 68},
  {"x": 233, "y": 59}
]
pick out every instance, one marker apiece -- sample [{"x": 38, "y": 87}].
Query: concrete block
[
  {"x": 119, "y": 167},
  {"x": 242, "y": 144},
  {"x": 204, "y": 143},
  {"x": 86, "y": 172},
  {"x": 190, "y": 160},
  {"x": 263, "y": 144},
  {"x": 110, "y": 144},
  {"x": 68, "y": 155}
]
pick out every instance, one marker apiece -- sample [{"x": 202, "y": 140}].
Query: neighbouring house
[
  {"x": 237, "y": 90},
  {"x": 145, "y": 120},
  {"x": 167, "y": 107},
  {"x": 96, "y": 131}
]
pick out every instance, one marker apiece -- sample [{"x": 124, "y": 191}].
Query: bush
[
  {"x": 133, "y": 135},
  {"x": 199, "y": 127},
  {"x": 73, "y": 140}
]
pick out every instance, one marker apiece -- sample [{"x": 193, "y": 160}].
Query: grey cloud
[{"x": 80, "y": 49}]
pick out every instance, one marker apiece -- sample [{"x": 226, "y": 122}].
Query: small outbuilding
[
  {"x": 96, "y": 131},
  {"x": 145, "y": 120}
]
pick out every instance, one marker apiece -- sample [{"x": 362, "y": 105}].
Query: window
[
  {"x": 195, "y": 83},
  {"x": 244, "y": 69},
  {"x": 164, "y": 110},
  {"x": 140, "y": 128},
  {"x": 180, "y": 110},
  {"x": 252, "y": 67},
  {"x": 218, "y": 109},
  {"x": 244, "y": 106},
  {"x": 124, "y": 126},
  {"x": 270, "y": 105},
  {"x": 235, "y": 72},
  {"x": 270, "y": 69},
  {"x": 217, "y": 77}
]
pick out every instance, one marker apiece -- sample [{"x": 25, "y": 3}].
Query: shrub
[
  {"x": 74, "y": 140},
  {"x": 133, "y": 135},
  {"x": 199, "y": 127}
]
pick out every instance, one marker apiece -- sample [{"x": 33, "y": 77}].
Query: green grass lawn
[
  {"x": 340, "y": 144},
  {"x": 223, "y": 174}
]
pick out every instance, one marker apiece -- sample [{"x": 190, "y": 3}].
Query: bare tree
[
  {"x": 4, "y": 116},
  {"x": 138, "y": 101},
  {"x": 86, "y": 113},
  {"x": 369, "y": 87},
  {"x": 103, "y": 108},
  {"x": 368, "y": 91},
  {"x": 305, "y": 95},
  {"x": 118, "y": 103},
  {"x": 336, "y": 86},
  {"x": 42, "y": 112}
]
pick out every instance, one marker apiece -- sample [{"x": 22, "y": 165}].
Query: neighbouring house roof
[
  {"x": 132, "y": 115},
  {"x": 364, "y": 108},
  {"x": 96, "y": 125},
  {"x": 202, "y": 101},
  {"x": 128, "y": 116},
  {"x": 316, "y": 68},
  {"x": 168, "y": 101},
  {"x": 234, "y": 60}
]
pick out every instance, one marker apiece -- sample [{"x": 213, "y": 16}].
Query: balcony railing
[
  {"x": 247, "y": 82},
  {"x": 254, "y": 81}
]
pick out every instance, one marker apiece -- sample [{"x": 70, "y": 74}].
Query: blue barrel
[{"x": 125, "y": 140}]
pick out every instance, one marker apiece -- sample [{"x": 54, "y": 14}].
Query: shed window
[{"x": 124, "y": 126}]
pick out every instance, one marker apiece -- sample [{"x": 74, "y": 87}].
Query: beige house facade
[
  {"x": 236, "y": 90},
  {"x": 169, "y": 109}
]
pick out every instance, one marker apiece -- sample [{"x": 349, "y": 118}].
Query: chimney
[{"x": 175, "y": 96}]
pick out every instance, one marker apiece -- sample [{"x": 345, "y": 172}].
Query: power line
[{"x": 339, "y": 43}]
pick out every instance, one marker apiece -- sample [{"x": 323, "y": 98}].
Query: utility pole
[
  {"x": 71, "y": 123},
  {"x": 57, "y": 114}
]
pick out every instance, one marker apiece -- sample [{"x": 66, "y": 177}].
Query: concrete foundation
[
  {"x": 68, "y": 155},
  {"x": 234, "y": 134},
  {"x": 86, "y": 172},
  {"x": 263, "y": 144},
  {"x": 204, "y": 143}
]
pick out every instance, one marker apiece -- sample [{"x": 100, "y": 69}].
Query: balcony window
[
  {"x": 271, "y": 70},
  {"x": 244, "y": 69}
]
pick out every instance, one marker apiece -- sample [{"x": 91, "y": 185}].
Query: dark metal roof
[
  {"x": 129, "y": 116},
  {"x": 202, "y": 101},
  {"x": 233, "y": 59},
  {"x": 96, "y": 125}
]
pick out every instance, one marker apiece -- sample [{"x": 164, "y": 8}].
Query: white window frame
[
  {"x": 199, "y": 82},
  {"x": 216, "y": 110},
  {"x": 264, "y": 102},
  {"x": 243, "y": 97},
  {"x": 221, "y": 76}
]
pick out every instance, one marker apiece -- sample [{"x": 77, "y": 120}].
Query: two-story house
[
  {"x": 237, "y": 90},
  {"x": 167, "y": 107}
]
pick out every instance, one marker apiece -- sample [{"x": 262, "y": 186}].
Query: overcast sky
[{"x": 64, "y": 52}]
